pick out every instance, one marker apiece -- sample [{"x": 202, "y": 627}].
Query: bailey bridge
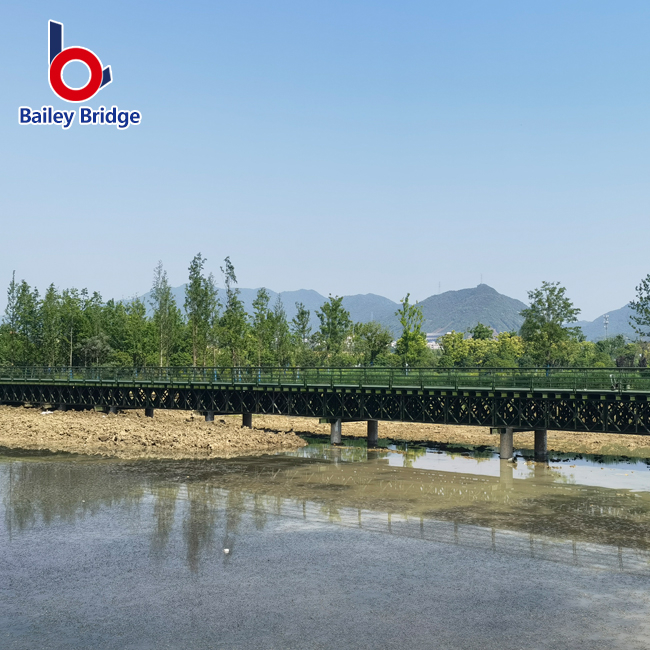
[{"x": 508, "y": 400}]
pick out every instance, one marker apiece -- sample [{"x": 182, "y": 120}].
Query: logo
[
  {"x": 59, "y": 57},
  {"x": 100, "y": 76}
]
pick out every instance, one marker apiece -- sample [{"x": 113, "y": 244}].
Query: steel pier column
[
  {"x": 148, "y": 412},
  {"x": 506, "y": 446},
  {"x": 209, "y": 416},
  {"x": 373, "y": 433},
  {"x": 247, "y": 420},
  {"x": 112, "y": 409},
  {"x": 335, "y": 432},
  {"x": 541, "y": 453}
]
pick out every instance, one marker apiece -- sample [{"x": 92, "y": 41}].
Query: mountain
[
  {"x": 463, "y": 309},
  {"x": 619, "y": 323},
  {"x": 457, "y": 310}
]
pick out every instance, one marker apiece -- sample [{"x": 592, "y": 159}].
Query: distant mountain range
[
  {"x": 452, "y": 310},
  {"x": 619, "y": 323}
]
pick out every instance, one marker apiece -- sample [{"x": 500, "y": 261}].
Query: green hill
[{"x": 463, "y": 309}]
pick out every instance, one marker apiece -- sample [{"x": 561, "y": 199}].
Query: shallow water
[{"x": 326, "y": 547}]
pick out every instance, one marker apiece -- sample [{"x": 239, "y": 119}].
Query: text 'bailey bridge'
[{"x": 508, "y": 400}]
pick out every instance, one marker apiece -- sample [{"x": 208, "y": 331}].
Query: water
[{"x": 326, "y": 547}]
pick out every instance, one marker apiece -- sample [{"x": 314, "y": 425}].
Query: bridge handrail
[{"x": 525, "y": 379}]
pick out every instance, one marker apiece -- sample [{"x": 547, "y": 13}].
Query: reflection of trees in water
[
  {"x": 62, "y": 491},
  {"x": 164, "y": 512},
  {"x": 201, "y": 514}
]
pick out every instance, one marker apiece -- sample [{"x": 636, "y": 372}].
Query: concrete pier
[
  {"x": 148, "y": 412},
  {"x": 62, "y": 407},
  {"x": 209, "y": 416},
  {"x": 335, "y": 432},
  {"x": 506, "y": 446},
  {"x": 112, "y": 409},
  {"x": 247, "y": 420},
  {"x": 373, "y": 433},
  {"x": 541, "y": 452}
]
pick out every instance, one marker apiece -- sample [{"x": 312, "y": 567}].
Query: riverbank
[
  {"x": 181, "y": 434},
  {"x": 129, "y": 434}
]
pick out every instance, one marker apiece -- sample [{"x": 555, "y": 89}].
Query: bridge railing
[{"x": 524, "y": 379}]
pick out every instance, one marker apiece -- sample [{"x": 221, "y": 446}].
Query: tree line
[{"x": 72, "y": 327}]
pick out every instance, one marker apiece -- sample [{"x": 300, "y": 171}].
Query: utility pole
[{"x": 606, "y": 324}]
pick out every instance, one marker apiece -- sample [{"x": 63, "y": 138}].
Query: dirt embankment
[
  {"x": 176, "y": 434},
  {"x": 129, "y": 434}
]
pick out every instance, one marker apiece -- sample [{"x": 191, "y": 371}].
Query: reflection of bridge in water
[
  {"x": 507, "y": 400},
  {"x": 210, "y": 502}
]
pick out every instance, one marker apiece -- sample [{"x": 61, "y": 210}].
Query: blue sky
[{"x": 347, "y": 147}]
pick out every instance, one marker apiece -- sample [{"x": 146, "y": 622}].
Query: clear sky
[{"x": 349, "y": 146}]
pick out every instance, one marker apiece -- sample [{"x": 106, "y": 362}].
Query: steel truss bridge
[{"x": 570, "y": 399}]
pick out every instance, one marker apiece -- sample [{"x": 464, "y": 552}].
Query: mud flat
[
  {"x": 129, "y": 434},
  {"x": 608, "y": 444},
  {"x": 181, "y": 434}
]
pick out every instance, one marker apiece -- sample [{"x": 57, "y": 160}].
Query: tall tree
[
  {"x": 11, "y": 318},
  {"x": 72, "y": 320},
  {"x": 200, "y": 307},
  {"x": 166, "y": 315},
  {"x": 335, "y": 326},
  {"x": 52, "y": 325},
  {"x": 412, "y": 344},
  {"x": 548, "y": 336},
  {"x": 640, "y": 319},
  {"x": 137, "y": 332},
  {"x": 301, "y": 333},
  {"x": 233, "y": 326},
  {"x": 281, "y": 337},
  {"x": 262, "y": 328}
]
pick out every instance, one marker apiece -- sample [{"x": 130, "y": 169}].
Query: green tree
[
  {"x": 167, "y": 317},
  {"x": 301, "y": 334},
  {"x": 412, "y": 344},
  {"x": 233, "y": 327},
  {"x": 281, "y": 336},
  {"x": 72, "y": 321},
  {"x": 640, "y": 319},
  {"x": 262, "y": 328},
  {"x": 137, "y": 332},
  {"x": 481, "y": 332},
  {"x": 373, "y": 342},
  {"x": 51, "y": 324},
  {"x": 546, "y": 330},
  {"x": 11, "y": 319},
  {"x": 335, "y": 327},
  {"x": 200, "y": 307}
]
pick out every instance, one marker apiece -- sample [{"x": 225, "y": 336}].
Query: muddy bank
[
  {"x": 560, "y": 441},
  {"x": 129, "y": 434},
  {"x": 180, "y": 434}
]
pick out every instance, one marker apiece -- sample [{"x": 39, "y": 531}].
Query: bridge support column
[
  {"x": 62, "y": 407},
  {"x": 373, "y": 433},
  {"x": 247, "y": 420},
  {"x": 112, "y": 409},
  {"x": 209, "y": 416},
  {"x": 541, "y": 453},
  {"x": 335, "y": 432},
  {"x": 506, "y": 446},
  {"x": 148, "y": 412}
]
